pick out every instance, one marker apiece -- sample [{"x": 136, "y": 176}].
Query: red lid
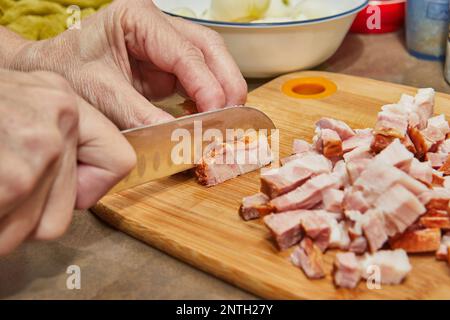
[{"x": 380, "y": 17}]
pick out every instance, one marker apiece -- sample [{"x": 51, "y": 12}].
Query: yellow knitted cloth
[{"x": 42, "y": 19}]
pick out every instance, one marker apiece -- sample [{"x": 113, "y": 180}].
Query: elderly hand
[
  {"x": 56, "y": 152},
  {"x": 131, "y": 53}
]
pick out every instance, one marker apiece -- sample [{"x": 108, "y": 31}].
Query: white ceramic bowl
[{"x": 270, "y": 49}]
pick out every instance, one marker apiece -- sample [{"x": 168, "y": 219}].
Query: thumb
[{"x": 127, "y": 108}]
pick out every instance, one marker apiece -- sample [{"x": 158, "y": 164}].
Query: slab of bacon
[
  {"x": 223, "y": 161},
  {"x": 376, "y": 194}
]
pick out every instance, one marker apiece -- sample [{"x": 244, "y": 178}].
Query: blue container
[{"x": 427, "y": 28}]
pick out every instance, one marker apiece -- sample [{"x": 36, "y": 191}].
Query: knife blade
[{"x": 154, "y": 144}]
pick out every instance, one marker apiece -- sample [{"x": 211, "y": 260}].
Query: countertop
[{"x": 116, "y": 266}]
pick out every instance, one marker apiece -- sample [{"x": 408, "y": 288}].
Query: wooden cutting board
[{"x": 201, "y": 226}]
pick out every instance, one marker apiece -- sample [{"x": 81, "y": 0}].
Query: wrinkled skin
[
  {"x": 130, "y": 53},
  {"x": 57, "y": 153}
]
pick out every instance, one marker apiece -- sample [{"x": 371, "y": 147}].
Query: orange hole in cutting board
[{"x": 309, "y": 88}]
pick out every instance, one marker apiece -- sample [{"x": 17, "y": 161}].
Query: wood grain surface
[{"x": 201, "y": 226}]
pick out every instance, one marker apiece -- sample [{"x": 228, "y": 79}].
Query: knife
[{"x": 154, "y": 144}]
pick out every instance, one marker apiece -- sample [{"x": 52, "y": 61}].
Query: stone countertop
[{"x": 116, "y": 266}]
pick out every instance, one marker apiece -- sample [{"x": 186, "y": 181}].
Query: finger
[
  {"x": 20, "y": 222},
  {"x": 153, "y": 83},
  {"x": 104, "y": 156},
  {"x": 127, "y": 108},
  {"x": 155, "y": 40},
  {"x": 57, "y": 213},
  {"x": 217, "y": 58}
]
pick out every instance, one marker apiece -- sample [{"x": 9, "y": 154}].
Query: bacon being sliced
[
  {"x": 309, "y": 258},
  {"x": 393, "y": 266},
  {"x": 225, "y": 161},
  {"x": 347, "y": 270},
  {"x": 255, "y": 206}
]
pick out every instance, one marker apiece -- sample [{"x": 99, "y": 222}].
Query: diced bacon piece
[
  {"x": 358, "y": 153},
  {"x": 356, "y": 167},
  {"x": 347, "y": 273},
  {"x": 301, "y": 146},
  {"x": 278, "y": 181},
  {"x": 309, "y": 258},
  {"x": 421, "y": 171},
  {"x": 437, "y": 199},
  {"x": 407, "y": 102},
  {"x": 424, "y": 101},
  {"x": 393, "y": 265},
  {"x": 421, "y": 144},
  {"x": 317, "y": 227},
  {"x": 288, "y": 159},
  {"x": 354, "y": 222},
  {"x": 373, "y": 227},
  {"x": 341, "y": 174},
  {"x": 444, "y": 147},
  {"x": 285, "y": 228},
  {"x": 331, "y": 143},
  {"x": 409, "y": 145},
  {"x": 442, "y": 223},
  {"x": 418, "y": 241},
  {"x": 400, "y": 207},
  {"x": 305, "y": 196},
  {"x": 362, "y": 138},
  {"x": 380, "y": 142},
  {"x": 440, "y": 123},
  {"x": 391, "y": 124},
  {"x": 446, "y": 167},
  {"x": 255, "y": 206},
  {"x": 358, "y": 245},
  {"x": 436, "y": 159},
  {"x": 378, "y": 177},
  {"x": 438, "y": 179},
  {"x": 332, "y": 199},
  {"x": 354, "y": 201},
  {"x": 442, "y": 252},
  {"x": 395, "y": 154},
  {"x": 433, "y": 136},
  {"x": 339, "y": 237},
  {"x": 340, "y": 127},
  {"x": 224, "y": 161}
]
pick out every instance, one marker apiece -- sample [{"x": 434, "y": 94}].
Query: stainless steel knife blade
[{"x": 154, "y": 144}]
